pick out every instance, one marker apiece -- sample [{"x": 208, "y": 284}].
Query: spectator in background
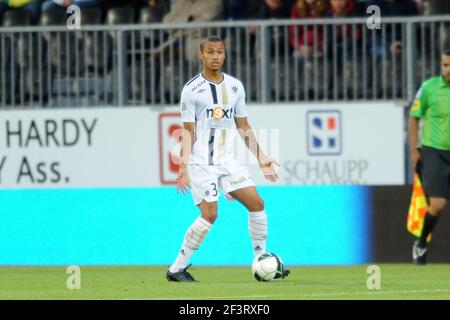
[
  {"x": 33, "y": 6},
  {"x": 135, "y": 3},
  {"x": 307, "y": 43},
  {"x": 271, "y": 9},
  {"x": 435, "y": 7},
  {"x": 159, "y": 8},
  {"x": 121, "y": 3},
  {"x": 192, "y": 11},
  {"x": 164, "y": 4},
  {"x": 385, "y": 45},
  {"x": 307, "y": 40},
  {"x": 393, "y": 41},
  {"x": 343, "y": 8},
  {"x": 235, "y": 10},
  {"x": 342, "y": 37},
  {"x": 55, "y": 4},
  {"x": 342, "y": 48}
]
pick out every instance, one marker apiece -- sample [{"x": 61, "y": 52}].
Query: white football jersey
[{"x": 213, "y": 108}]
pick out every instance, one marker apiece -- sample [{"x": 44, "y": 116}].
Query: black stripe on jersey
[
  {"x": 192, "y": 80},
  {"x": 212, "y": 131},
  {"x": 214, "y": 93}
]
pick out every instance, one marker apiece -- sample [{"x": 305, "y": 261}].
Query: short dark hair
[
  {"x": 447, "y": 53},
  {"x": 210, "y": 39}
]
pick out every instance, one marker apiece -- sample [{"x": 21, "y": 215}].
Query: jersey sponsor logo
[
  {"x": 324, "y": 132},
  {"x": 198, "y": 85},
  {"x": 219, "y": 113}
]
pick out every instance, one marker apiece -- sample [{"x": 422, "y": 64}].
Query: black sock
[{"x": 428, "y": 226}]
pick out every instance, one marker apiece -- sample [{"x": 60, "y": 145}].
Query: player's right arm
[
  {"x": 417, "y": 111},
  {"x": 186, "y": 147},
  {"x": 187, "y": 139}
]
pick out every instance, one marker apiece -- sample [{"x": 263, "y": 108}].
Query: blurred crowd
[
  {"x": 312, "y": 51},
  {"x": 206, "y": 10}
]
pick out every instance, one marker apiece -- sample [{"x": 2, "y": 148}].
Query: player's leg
[
  {"x": 435, "y": 175},
  {"x": 257, "y": 218},
  {"x": 249, "y": 198},
  {"x": 435, "y": 208},
  {"x": 195, "y": 235},
  {"x": 238, "y": 184},
  {"x": 205, "y": 194}
]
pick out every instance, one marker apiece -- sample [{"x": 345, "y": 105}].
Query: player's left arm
[{"x": 266, "y": 164}]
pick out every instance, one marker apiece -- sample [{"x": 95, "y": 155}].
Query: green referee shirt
[{"x": 432, "y": 105}]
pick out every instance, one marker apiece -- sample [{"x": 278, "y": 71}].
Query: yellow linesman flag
[{"x": 417, "y": 208}]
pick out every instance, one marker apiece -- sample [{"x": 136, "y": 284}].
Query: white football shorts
[{"x": 207, "y": 180}]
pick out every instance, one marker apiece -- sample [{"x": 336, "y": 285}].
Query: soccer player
[
  {"x": 432, "y": 106},
  {"x": 213, "y": 110}
]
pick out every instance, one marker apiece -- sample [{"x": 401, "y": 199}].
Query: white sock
[
  {"x": 192, "y": 240},
  {"x": 257, "y": 225}
]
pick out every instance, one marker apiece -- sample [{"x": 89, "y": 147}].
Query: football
[{"x": 267, "y": 267}]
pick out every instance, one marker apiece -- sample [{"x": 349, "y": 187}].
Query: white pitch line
[
  {"x": 335, "y": 294},
  {"x": 313, "y": 294}
]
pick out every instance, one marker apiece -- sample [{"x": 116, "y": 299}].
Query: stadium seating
[
  {"x": 79, "y": 62},
  {"x": 91, "y": 16},
  {"x": 120, "y": 15},
  {"x": 53, "y": 17},
  {"x": 436, "y": 7},
  {"x": 96, "y": 47},
  {"x": 9, "y": 78},
  {"x": 16, "y": 18},
  {"x": 148, "y": 15}
]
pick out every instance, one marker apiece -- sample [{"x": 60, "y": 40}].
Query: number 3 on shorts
[{"x": 214, "y": 188}]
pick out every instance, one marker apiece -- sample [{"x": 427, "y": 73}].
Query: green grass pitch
[{"x": 398, "y": 281}]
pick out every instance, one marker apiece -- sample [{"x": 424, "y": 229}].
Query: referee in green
[{"x": 432, "y": 106}]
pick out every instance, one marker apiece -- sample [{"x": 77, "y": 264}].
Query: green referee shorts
[{"x": 435, "y": 170}]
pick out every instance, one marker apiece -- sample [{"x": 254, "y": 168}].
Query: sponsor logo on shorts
[{"x": 240, "y": 180}]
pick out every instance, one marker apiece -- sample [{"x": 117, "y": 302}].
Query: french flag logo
[{"x": 324, "y": 132}]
